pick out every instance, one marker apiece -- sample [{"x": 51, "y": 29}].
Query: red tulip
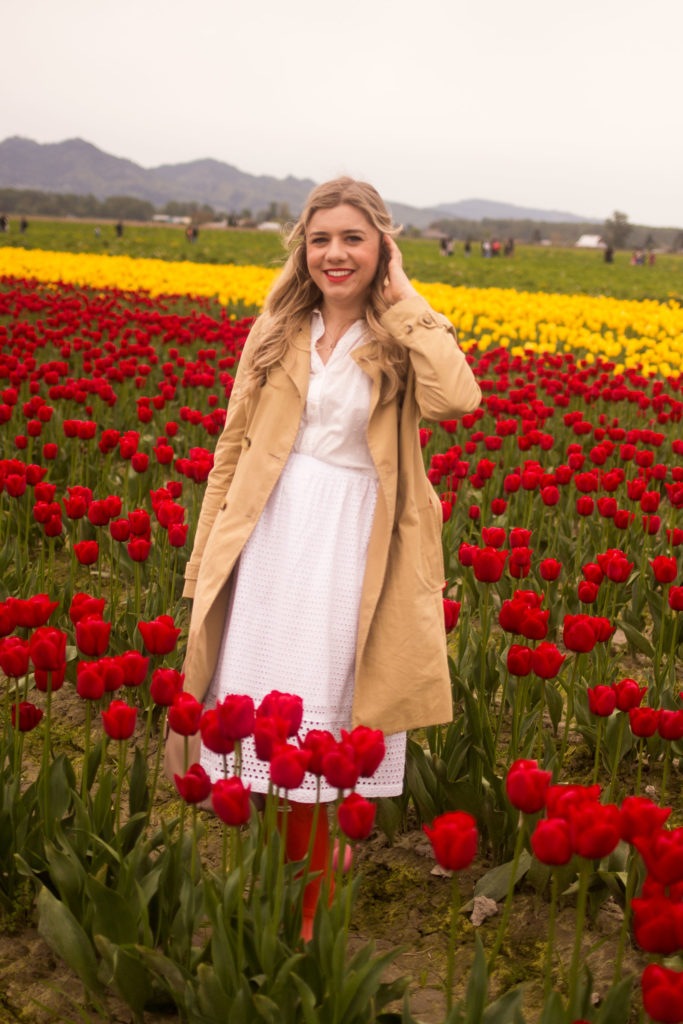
[
  {"x": 54, "y": 680},
  {"x": 269, "y": 731},
  {"x": 550, "y": 569},
  {"x": 317, "y": 742},
  {"x": 84, "y": 604},
  {"x": 519, "y": 660},
  {"x": 33, "y": 611},
  {"x": 369, "y": 747},
  {"x": 356, "y": 816},
  {"x": 86, "y": 551},
  {"x": 488, "y": 564},
  {"x": 595, "y": 829},
  {"x": 236, "y": 716},
  {"x": 546, "y": 660},
  {"x": 665, "y": 568},
  {"x": 134, "y": 666},
  {"x": 663, "y": 994},
  {"x": 676, "y": 599},
  {"x": 139, "y": 548},
  {"x": 29, "y": 716},
  {"x": 340, "y": 766},
  {"x": 14, "y": 655},
  {"x": 119, "y": 720},
  {"x": 194, "y": 786},
  {"x": 184, "y": 714},
  {"x": 670, "y": 724},
  {"x": 662, "y": 851},
  {"x": 551, "y": 842},
  {"x": 526, "y": 785},
  {"x": 89, "y": 680},
  {"x": 166, "y": 684},
  {"x": 451, "y": 613},
  {"x": 230, "y": 801},
  {"x": 288, "y": 766},
  {"x": 643, "y": 721},
  {"x": 629, "y": 694},
  {"x": 160, "y": 635},
  {"x": 578, "y": 633},
  {"x": 287, "y": 705},
  {"x": 47, "y": 648},
  {"x": 640, "y": 816},
  {"x": 561, "y": 799},
  {"x": 212, "y": 736},
  {"x": 92, "y": 635},
  {"x": 602, "y": 700},
  {"x": 453, "y": 836}
]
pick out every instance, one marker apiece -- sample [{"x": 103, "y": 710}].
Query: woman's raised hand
[{"x": 396, "y": 285}]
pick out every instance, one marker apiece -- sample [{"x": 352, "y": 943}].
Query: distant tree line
[{"x": 616, "y": 230}]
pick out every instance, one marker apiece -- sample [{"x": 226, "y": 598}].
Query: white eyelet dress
[{"x": 293, "y": 621}]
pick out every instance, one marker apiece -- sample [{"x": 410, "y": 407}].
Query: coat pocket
[{"x": 431, "y": 565}]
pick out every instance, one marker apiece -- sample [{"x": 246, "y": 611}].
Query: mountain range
[{"x": 78, "y": 167}]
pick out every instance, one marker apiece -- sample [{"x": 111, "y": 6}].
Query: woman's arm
[
  {"x": 225, "y": 459},
  {"x": 445, "y": 386}
]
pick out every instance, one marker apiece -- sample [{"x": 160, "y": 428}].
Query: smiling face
[{"x": 342, "y": 255}]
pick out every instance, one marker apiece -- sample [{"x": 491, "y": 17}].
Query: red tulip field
[{"x": 532, "y": 871}]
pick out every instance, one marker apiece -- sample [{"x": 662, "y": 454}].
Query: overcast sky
[{"x": 573, "y": 106}]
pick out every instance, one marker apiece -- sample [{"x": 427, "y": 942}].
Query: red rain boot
[{"x": 299, "y": 825}]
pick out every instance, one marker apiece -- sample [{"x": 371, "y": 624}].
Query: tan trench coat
[{"x": 401, "y": 678}]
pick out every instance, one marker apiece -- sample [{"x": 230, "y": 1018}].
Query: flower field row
[
  {"x": 645, "y": 335},
  {"x": 563, "y": 543}
]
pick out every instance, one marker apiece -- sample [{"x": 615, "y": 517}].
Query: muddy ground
[{"x": 404, "y": 902}]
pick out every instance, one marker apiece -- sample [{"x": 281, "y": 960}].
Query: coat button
[{"x": 246, "y": 442}]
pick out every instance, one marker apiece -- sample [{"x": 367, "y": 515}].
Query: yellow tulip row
[{"x": 630, "y": 333}]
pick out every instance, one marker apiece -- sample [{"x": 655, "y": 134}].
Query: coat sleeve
[
  {"x": 445, "y": 386},
  {"x": 226, "y": 454}
]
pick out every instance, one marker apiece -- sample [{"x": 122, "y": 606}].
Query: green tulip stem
[
  {"x": 660, "y": 642},
  {"x": 569, "y": 714},
  {"x": 46, "y": 755},
  {"x": 631, "y": 879},
  {"x": 502, "y": 928},
  {"x": 665, "y": 771},
  {"x": 641, "y": 744},
  {"x": 598, "y": 742},
  {"x": 119, "y": 781},
  {"x": 455, "y": 913},
  {"x": 617, "y": 757},
  {"x": 539, "y": 741},
  {"x": 86, "y": 749},
  {"x": 157, "y": 761},
  {"x": 672, "y": 654},
  {"x": 279, "y": 884},
  {"x": 584, "y": 873},
  {"x": 240, "y": 901},
  {"x": 550, "y": 944},
  {"x": 484, "y": 645}
]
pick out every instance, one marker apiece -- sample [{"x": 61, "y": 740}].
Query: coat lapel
[{"x": 297, "y": 361}]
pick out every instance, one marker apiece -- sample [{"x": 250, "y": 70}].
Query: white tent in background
[{"x": 590, "y": 242}]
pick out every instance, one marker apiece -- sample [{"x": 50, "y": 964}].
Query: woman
[{"x": 316, "y": 567}]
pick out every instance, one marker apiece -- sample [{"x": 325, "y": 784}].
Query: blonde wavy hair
[{"x": 295, "y": 295}]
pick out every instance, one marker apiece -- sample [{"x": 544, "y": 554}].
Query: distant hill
[
  {"x": 479, "y": 209},
  {"x": 78, "y": 167}
]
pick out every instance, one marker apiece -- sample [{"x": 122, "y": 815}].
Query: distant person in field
[
  {"x": 4, "y": 223},
  {"x": 318, "y": 547},
  {"x": 23, "y": 225},
  {"x": 609, "y": 254},
  {"x": 467, "y": 247},
  {"x": 119, "y": 229},
  {"x": 510, "y": 247}
]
